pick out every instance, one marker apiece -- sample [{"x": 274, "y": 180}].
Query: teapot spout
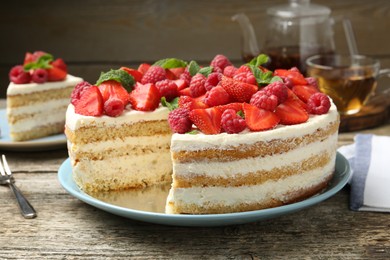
[{"x": 249, "y": 40}]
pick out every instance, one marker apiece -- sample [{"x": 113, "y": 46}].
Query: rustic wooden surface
[{"x": 67, "y": 228}]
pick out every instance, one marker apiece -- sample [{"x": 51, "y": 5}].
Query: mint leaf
[
  {"x": 43, "y": 62},
  {"x": 259, "y": 60},
  {"x": 263, "y": 78},
  {"x": 120, "y": 76},
  {"x": 170, "y": 105},
  {"x": 170, "y": 63},
  {"x": 193, "y": 68},
  {"x": 206, "y": 71},
  {"x": 193, "y": 132}
]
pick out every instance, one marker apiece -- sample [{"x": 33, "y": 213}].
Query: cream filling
[
  {"x": 230, "y": 168},
  {"x": 278, "y": 190},
  {"x": 37, "y": 120},
  {"x": 75, "y": 121},
  {"x": 17, "y": 89},
  {"x": 40, "y": 107}
]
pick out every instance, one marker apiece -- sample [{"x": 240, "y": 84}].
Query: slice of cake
[
  {"x": 244, "y": 138},
  {"x": 37, "y": 97}
]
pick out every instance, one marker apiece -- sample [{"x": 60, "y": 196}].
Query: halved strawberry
[
  {"x": 207, "y": 120},
  {"x": 59, "y": 63},
  {"x": 169, "y": 74},
  {"x": 291, "y": 95},
  {"x": 235, "y": 106},
  {"x": 291, "y": 112},
  {"x": 304, "y": 92},
  {"x": 177, "y": 71},
  {"x": 190, "y": 103},
  {"x": 258, "y": 119},
  {"x": 181, "y": 84},
  {"x": 185, "y": 92},
  {"x": 56, "y": 74},
  {"x": 145, "y": 97},
  {"x": 133, "y": 72},
  {"x": 293, "y": 73},
  {"x": 111, "y": 89},
  {"x": 143, "y": 68},
  {"x": 239, "y": 91},
  {"x": 90, "y": 103}
]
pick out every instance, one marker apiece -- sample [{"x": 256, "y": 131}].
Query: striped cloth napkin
[{"x": 369, "y": 158}]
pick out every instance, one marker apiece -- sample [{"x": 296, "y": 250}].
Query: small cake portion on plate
[{"x": 37, "y": 96}]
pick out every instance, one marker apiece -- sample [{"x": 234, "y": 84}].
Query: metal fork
[{"x": 6, "y": 178}]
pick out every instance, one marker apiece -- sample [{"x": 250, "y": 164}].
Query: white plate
[
  {"x": 148, "y": 206},
  {"x": 39, "y": 144}
]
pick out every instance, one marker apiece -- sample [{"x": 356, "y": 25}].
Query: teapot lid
[{"x": 299, "y": 8}]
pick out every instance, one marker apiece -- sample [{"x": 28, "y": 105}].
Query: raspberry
[
  {"x": 114, "y": 107},
  {"x": 153, "y": 74},
  {"x": 197, "y": 85},
  {"x": 212, "y": 80},
  {"x": 231, "y": 122},
  {"x": 318, "y": 104},
  {"x": 229, "y": 71},
  {"x": 278, "y": 89},
  {"x": 186, "y": 76},
  {"x": 242, "y": 68},
  {"x": 39, "y": 76},
  {"x": 220, "y": 61},
  {"x": 78, "y": 91},
  {"x": 262, "y": 100},
  {"x": 312, "y": 81},
  {"x": 167, "y": 89},
  {"x": 288, "y": 82},
  {"x": 246, "y": 77},
  {"x": 17, "y": 75},
  {"x": 216, "y": 96},
  {"x": 179, "y": 121}
]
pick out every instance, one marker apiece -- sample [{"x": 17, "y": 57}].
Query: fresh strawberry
[
  {"x": 185, "y": 92},
  {"x": 177, "y": 71},
  {"x": 235, "y": 106},
  {"x": 304, "y": 92},
  {"x": 291, "y": 112},
  {"x": 145, "y": 97},
  {"x": 239, "y": 91},
  {"x": 258, "y": 119},
  {"x": 78, "y": 91},
  {"x": 56, "y": 74},
  {"x": 143, "y": 68},
  {"x": 169, "y": 75},
  {"x": 32, "y": 57},
  {"x": 90, "y": 103},
  {"x": 114, "y": 89},
  {"x": 291, "y": 96},
  {"x": 133, "y": 72},
  {"x": 190, "y": 103},
  {"x": 207, "y": 120},
  {"x": 59, "y": 63},
  {"x": 294, "y": 74},
  {"x": 181, "y": 84}
]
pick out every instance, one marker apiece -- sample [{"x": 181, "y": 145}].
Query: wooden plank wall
[{"x": 96, "y": 35}]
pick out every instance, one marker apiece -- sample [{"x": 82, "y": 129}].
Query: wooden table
[{"x": 67, "y": 228}]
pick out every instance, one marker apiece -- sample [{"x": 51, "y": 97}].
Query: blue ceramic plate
[
  {"x": 121, "y": 203},
  {"x": 39, "y": 144}
]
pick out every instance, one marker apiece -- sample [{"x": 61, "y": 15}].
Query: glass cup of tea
[{"x": 350, "y": 80}]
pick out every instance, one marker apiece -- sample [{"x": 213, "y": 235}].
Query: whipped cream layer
[
  {"x": 18, "y": 89},
  {"x": 39, "y": 108},
  {"x": 75, "y": 121},
  {"x": 186, "y": 142}
]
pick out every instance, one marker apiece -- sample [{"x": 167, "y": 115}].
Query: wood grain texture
[{"x": 92, "y": 35}]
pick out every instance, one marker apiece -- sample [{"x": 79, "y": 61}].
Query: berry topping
[
  {"x": 243, "y": 68},
  {"x": 90, "y": 103},
  {"x": 229, "y": 71},
  {"x": 294, "y": 74},
  {"x": 59, "y": 63},
  {"x": 258, "y": 119},
  {"x": 235, "y": 106},
  {"x": 207, "y": 120},
  {"x": 216, "y": 96},
  {"x": 153, "y": 74},
  {"x": 56, "y": 74},
  {"x": 176, "y": 72},
  {"x": 167, "y": 89},
  {"x": 145, "y": 97},
  {"x": 17, "y": 75},
  {"x": 114, "y": 107},
  {"x": 39, "y": 76},
  {"x": 291, "y": 112},
  {"x": 318, "y": 104},
  {"x": 114, "y": 89},
  {"x": 143, "y": 68},
  {"x": 220, "y": 62},
  {"x": 278, "y": 89},
  {"x": 231, "y": 122},
  {"x": 246, "y": 77},
  {"x": 133, "y": 72},
  {"x": 179, "y": 121},
  {"x": 190, "y": 103},
  {"x": 121, "y": 76},
  {"x": 212, "y": 80},
  {"x": 312, "y": 81},
  {"x": 197, "y": 85},
  {"x": 186, "y": 76},
  {"x": 78, "y": 91},
  {"x": 239, "y": 91},
  {"x": 304, "y": 92},
  {"x": 265, "y": 101}
]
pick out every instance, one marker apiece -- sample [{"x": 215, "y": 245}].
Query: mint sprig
[
  {"x": 262, "y": 78},
  {"x": 170, "y": 105},
  {"x": 43, "y": 62},
  {"x": 170, "y": 63},
  {"x": 120, "y": 76},
  {"x": 193, "y": 68}
]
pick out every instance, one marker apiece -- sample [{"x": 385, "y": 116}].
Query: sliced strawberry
[
  {"x": 177, "y": 71},
  {"x": 258, "y": 119},
  {"x": 56, "y": 74},
  {"x": 145, "y": 97},
  {"x": 291, "y": 112},
  {"x": 170, "y": 75},
  {"x": 235, "y": 106},
  {"x": 291, "y": 95},
  {"x": 185, "y": 92},
  {"x": 207, "y": 120},
  {"x": 114, "y": 89},
  {"x": 133, "y": 72},
  {"x": 90, "y": 103},
  {"x": 143, "y": 68},
  {"x": 29, "y": 57},
  {"x": 304, "y": 92},
  {"x": 181, "y": 84},
  {"x": 191, "y": 103},
  {"x": 59, "y": 63},
  {"x": 293, "y": 73},
  {"x": 239, "y": 91}
]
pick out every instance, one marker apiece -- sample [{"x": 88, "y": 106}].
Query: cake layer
[
  {"x": 273, "y": 193},
  {"x": 38, "y": 132}
]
